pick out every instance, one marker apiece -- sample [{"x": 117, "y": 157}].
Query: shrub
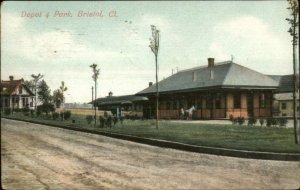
[
  {"x": 31, "y": 113},
  {"x": 38, "y": 113},
  {"x": 25, "y": 110},
  {"x": 121, "y": 119},
  {"x": 17, "y": 110},
  {"x": 109, "y": 121},
  {"x": 252, "y": 121},
  {"x": 26, "y": 113},
  {"x": 115, "y": 120},
  {"x": 241, "y": 120},
  {"x": 261, "y": 121},
  {"x": 269, "y": 122},
  {"x": 89, "y": 119},
  {"x": 7, "y": 111},
  {"x": 102, "y": 121},
  {"x": 46, "y": 108},
  {"x": 275, "y": 121},
  {"x": 282, "y": 122},
  {"x": 55, "y": 115},
  {"x": 67, "y": 115}
]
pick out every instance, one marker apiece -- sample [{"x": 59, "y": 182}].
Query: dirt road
[{"x": 40, "y": 157}]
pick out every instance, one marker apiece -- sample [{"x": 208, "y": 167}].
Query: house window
[
  {"x": 218, "y": 101},
  {"x": 283, "y": 105},
  {"x": 237, "y": 100},
  {"x": 262, "y": 101},
  {"x": 24, "y": 102}
]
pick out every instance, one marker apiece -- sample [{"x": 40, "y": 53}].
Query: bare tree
[
  {"x": 36, "y": 79},
  {"x": 294, "y": 22},
  {"x": 62, "y": 89},
  {"x": 154, "y": 45}
]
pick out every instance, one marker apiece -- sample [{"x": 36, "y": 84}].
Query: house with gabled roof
[
  {"x": 217, "y": 90},
  {"x": 15, "y": 94},
  {"x": 283, "y": 96}
]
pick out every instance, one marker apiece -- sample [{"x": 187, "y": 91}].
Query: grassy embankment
[{"x": 257, "y": 138}]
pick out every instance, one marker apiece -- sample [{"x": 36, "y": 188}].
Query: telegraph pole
[
  {"x": 95, "y": 77},
  {"x": 294, "y": 22},
  {"x": 154, "y": 45}
]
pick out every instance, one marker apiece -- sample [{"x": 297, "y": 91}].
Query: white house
[{"x": 15, "y": 95}]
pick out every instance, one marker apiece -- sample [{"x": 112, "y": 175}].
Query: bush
[
  {"x": 275, "y": 122},
  {"x": 261, "y": 121},
  {"x": 109, "y": 121},
  {"x": 269, "y": 122},
  {"x": 102, "y": 121},
  {"x": 46, "y": 108},
  {"x": 89, "y": 119},
  {"x": 26, "y": 113},
  {"x": 252, "y": 121},
  {"x": 25, "y": 110},
  {"x": 7, "y": 111},
  {"x": 55, "y": 115},
  {"x": 17, "y": 110},
  {"x": 115, "y": 120},
  {"x": 241, "y": 120},
  {"x": 67, "y": 115},
  {"x": 121, "y": 119},
  {"x": 38, "y": 113},
  {"x": 32, "y": 113},
  {"x": 282, "y": 122}
]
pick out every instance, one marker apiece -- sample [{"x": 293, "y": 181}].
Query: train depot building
[{"x": 216, "y": 91}]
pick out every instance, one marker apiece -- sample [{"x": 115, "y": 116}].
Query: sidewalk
[{"x": 290, "y": 123}]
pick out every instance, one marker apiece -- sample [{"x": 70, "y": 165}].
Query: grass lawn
[{"x": 266, "y": 139}]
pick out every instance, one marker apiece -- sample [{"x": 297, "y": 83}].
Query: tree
[
  {"x": 62, "y": 89},
  {"x": 44, "y": 92},
  {"x": 57, "y": 98},
  {"x": 294, "y": 22}
]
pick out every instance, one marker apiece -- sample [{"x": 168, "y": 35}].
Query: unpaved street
[{"x": 40, "y": 157}]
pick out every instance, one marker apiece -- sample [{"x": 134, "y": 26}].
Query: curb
[{"x": 183, "y": 146}]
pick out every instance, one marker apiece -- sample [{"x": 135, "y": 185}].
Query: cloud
[
  {"x": 252, "y": 41},
  {"x": 54, "y": 45}
]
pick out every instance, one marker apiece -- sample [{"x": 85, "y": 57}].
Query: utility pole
[
  {"x": 294, "y": 22},
  {"x": 92, "y": 97},
  {"x": 154, "y": 45},
  {"x": 95, "y": 77}
]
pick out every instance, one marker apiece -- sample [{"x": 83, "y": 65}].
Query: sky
[{"x": 57, "y": 40}]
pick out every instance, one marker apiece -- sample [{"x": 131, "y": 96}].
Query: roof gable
[{"x": 11, "y": 87}]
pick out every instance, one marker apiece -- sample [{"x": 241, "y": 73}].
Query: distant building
[
  {"x": 283, "y": 103},
  {"x": 117, "y": 104},
  {"x": 15, "y": 95},
  {"x": 283, "y": 96}
]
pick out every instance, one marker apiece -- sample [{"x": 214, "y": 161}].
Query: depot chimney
[
  {"x": 11, "y": 77},
  {"x": 211, "y": 62},
  {"x": 110, "y": 94},
  {"x": 150, "y": 84}
]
